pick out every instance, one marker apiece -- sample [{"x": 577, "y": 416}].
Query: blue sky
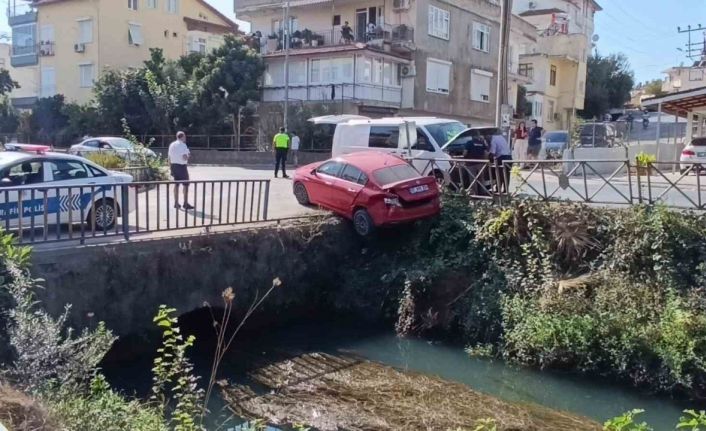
[{"x": 646, "y": 31}]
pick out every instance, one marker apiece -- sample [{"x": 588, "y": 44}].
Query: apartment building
[
  {"x": 523, "y": 40},
  {"x": 382, "y": 57},
  {"x": 23, "y": 76},
  {"x": 67, "y": 43},
  {"x": 685, "y": 78},
  {"x": 557, "y": 65}
]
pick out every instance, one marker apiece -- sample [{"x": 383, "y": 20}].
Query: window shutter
[{"x": 431, "y": 19}]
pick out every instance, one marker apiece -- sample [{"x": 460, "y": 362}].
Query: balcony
[
  {"x": 24, "y": 55},
  {"x": 571, "y": 46},
  {"x": 399, "y": 39},
  {"x": 20, "y": 12}
]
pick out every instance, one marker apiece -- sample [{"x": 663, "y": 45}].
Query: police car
[{"x": 37, "y": 181}]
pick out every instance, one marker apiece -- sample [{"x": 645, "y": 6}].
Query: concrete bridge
[{"x": 124, "y": 284}]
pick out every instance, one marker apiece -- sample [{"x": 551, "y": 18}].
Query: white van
[{"x": 421, "y": 138}]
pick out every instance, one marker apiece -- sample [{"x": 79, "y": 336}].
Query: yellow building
[{"x": 68, "y": 43}]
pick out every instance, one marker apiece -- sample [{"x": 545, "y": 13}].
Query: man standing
[
  {"x": 281, "y": 144},
  {"x": 295, "y": 149},
  {"x": 534, "y": 140},
  {"x": 178, "y": 159},
  {"x": 500, "y": 152}
]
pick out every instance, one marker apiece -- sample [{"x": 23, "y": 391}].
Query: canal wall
[{"x": 124, "y": 284}]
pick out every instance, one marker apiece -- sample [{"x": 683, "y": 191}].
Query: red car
[{"x": 371, "y": 188}]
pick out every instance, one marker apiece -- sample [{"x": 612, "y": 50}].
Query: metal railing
[
  {"x": 84, "y": 211},
  {"x": 615, "y": 182},
  {"x": 244, "y": 142}
]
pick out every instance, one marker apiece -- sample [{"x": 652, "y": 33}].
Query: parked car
[
  {"x": 25, "y": 168},
  {"x": 554, "y": 143},
  {"x": 370, "y": 188},
  {"x": 694, "y": 152},
  {"x": 118, "y": 146},
  {"x": 419, "y": 138},
  {"x": 598, "y": 135}
]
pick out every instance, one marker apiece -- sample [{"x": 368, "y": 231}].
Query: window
[
  {"x": 96, "y": 172},
  {"x": 550, "y": 110},
  {"x": 90, "y": 144},
  {"x": 696, "y": 74},
  {"x": 537, "y": 109},
  {"x": 481, "y": 37},
  {"x": 480, "y": 85},
  {"x": 201, "y": 45},
  {"x": 330, "y": 168},
  {"x": 86, "y": 75},
  {"x": 365, "y": 69},
  {"x": 423, "y": 143},
  {"x": 152, "y": 4},
  {"x": 387, "y": 73},
  {"x": 85, "y": 30},
  {"x": 134, "y": 35},
  {"x": 315, "y": 71},
  {"x": 24, "y": 173},
  {"x": 173, "y": 6},
  {"x": 48, "y": 82},
  {"x": 353, "y": 174},
  {"x": 438, "y": 72},
  {"x": 67, "y": 170},
  {"x": 395, "y": 174},
  {"x": 46, "y": 34},
  {"x": 552, "y": 75},
  {"x": 132, "y": 4},
  {"x": 526, "y": 69},
  {"x": 377, "y": 71},
  {"x": 297, "y": 72},
  {"x": 384, "y": 137},
  {"x": 438, "y": 22},
  {"x": 24, "y": 39},
  {"x": 337, "y": 20}
]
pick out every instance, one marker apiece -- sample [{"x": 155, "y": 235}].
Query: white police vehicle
[{"x": 37, "y": 181}]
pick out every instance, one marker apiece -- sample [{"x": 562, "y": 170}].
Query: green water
[{"x": 595, "y": 398}]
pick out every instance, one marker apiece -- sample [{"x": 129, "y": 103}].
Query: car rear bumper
[{"x": 395, "y": 215}]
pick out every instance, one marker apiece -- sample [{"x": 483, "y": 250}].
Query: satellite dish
[{"x": 595, "y": 38}]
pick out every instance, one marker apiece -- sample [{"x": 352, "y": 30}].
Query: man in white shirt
[
  {"x": 502, "y": 156},
  {"x": 178, "y": 160},
  {"x": 294, "y": 148}
]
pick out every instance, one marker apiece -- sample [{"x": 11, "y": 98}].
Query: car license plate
[
  {"x": 702, "y": 154},
  {"x": 419, "y": 189}
]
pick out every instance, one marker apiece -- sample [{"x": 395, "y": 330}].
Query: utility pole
[
  {"x": 699, "y": 48},
  {"x": 287, "y": 29},
  {"x": 502, "y": 89}
]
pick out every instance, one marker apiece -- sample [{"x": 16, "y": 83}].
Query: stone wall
[{"x": 124, "y": 284}]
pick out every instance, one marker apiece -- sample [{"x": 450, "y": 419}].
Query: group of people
[
  {"x": 533, "y": 136},
  {"x": 347, "y": 35}
]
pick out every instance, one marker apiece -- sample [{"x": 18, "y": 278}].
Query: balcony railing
[
  {"x": 399, "y": 36},
  {"x": 15, "y": 8},
  {"x": 19, "y": 50}
]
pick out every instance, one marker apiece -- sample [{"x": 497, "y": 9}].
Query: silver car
[{"x": 118, "y": 146}]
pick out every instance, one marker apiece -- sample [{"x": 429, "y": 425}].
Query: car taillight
[
  {"x": 393, "y": 201},
  {"x": 688, "y": 153}
]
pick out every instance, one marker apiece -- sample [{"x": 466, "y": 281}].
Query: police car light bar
[{"x": 30, "y": 148}]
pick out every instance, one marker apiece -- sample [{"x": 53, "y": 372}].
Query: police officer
[
  {"x": 476, "y": 151},
  {"x": 281, "y": 145}
]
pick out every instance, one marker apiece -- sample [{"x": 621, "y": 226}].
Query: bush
[{"x": 106, "y": 159}]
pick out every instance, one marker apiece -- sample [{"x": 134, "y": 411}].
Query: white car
[
  {"x": 118, "y": 146},
  {"x": 39, "y": 179},
  {"x": 694, "y": 152}
]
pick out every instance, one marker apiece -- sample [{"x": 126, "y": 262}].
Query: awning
[{"x": 681, "y": 102}]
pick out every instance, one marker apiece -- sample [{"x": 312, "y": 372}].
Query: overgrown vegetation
[
  {"x": 619, "y": 293},
  {"x": 106, "y": 159}
]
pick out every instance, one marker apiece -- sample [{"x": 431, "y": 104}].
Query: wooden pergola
[{"x": 690, "y": 104}]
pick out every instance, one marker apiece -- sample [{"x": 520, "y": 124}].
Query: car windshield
[
  {"x": 698, "y": 142},
  {"x": 120, "y": 143},
  {"x": 590, "y": 129},
  {"x": 393, "y": 174},
  {"x": 555, "y": 136},
  {"x": 443, "y": 132}
]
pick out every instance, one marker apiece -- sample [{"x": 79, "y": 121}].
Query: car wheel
[
  {"x": 363, "y": 223},
  {"x": 104, "y": 214},
  {"x": 301, "y": 194}
]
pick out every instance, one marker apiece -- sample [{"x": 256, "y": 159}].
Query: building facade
[
  {"x": 67, "y": 43},
  {"x": 382, "y": 57},
  {"x": 557, "y": 66},
  {"x": 685, "y": 78}
]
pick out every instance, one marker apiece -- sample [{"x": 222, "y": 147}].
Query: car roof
[
  {"x": 335, "y": 119},
  {"x": 370, "y": 160},
  {"x": 420, "y": 121},
  {"x": 7, "y": 157},
  {"x": 107, "y": 138}
]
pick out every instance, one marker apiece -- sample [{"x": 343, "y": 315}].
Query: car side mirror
[{"x": 314, "y": 173}]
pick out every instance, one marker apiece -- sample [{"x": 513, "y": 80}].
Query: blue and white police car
[{"x": 45, "y": 185}]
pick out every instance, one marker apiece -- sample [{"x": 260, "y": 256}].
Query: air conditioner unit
[
  {"x": 400, "y": 4},
  {"x": 80, "y": 47},
  {"x": 532, "y": 5},
  {"x": 408, "y": 70}
]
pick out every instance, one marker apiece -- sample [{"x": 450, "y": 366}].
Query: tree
[
  {"x": 227, "y": 78},
  {"x": 608, "y": 84},
  {"x": 654, "y": 88},
  {"x": 48, "y": 118},
  {"x": 6, "y": 82}
]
